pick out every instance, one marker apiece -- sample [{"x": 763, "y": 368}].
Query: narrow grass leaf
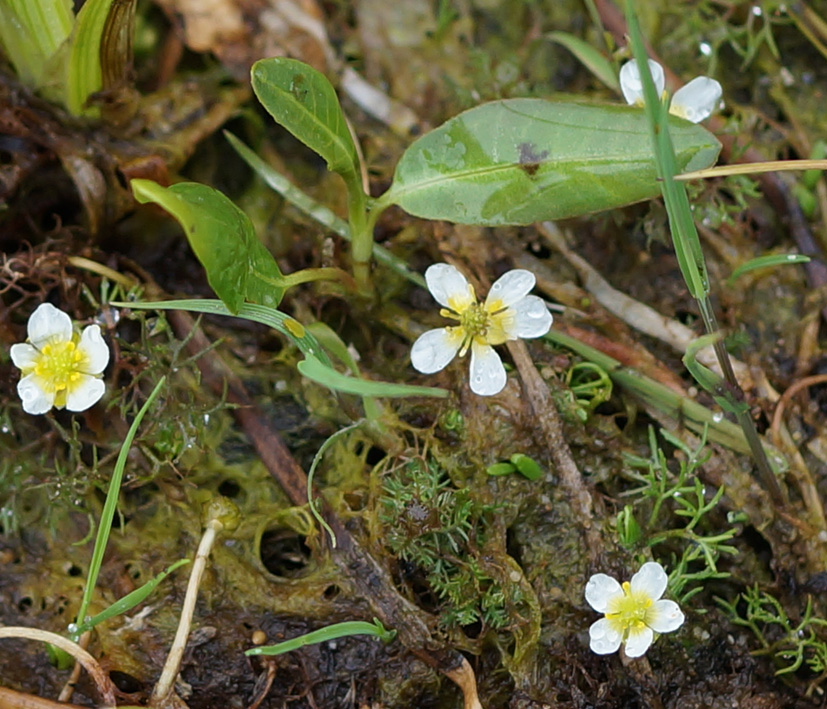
[
  {"x": 589, "y": 57},
  {"x": 331, "y": 632},
  {"x": 769, "y": 261},
  {"x": 108, "y": 514},
  {"x": 129, "y": 601},
  {"x": 313, "y": 369},
  {"x": 281, "y": 322}
]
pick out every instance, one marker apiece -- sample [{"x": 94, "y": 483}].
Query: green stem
[
  {"x": 688, "y": 248},
  {"x": 361, "y": 233}
]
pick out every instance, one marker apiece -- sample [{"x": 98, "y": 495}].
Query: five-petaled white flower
[
  {"x": 634, "y": 611},
  {"x": 507, "y": 313},
  {"x": 694, "y": 101},
  {"x": 59, "y": 367}
]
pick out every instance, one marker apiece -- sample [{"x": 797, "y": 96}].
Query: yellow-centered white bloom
[
  {"x": 507, "y": 314},
  {"x": 60, "y": 368},
  {"x": 694, "y": 101},
  {"x": 633, "y": 610}
]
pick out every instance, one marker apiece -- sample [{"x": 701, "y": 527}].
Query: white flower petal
[
  {"x": 531, "y": 318},
  {"x": 603, "y": 638},
  {"x": 47, "y": 323},
  {"x": 449, "y": 287},
  {"x": 664, "y": 617},
  {"x": 509, "y": 288},
  {"x": 651, "y": 580},
  {"x": 632, "y": 86},
  {"x": 24, "y": 355},
  {"x": 35, "y": 400},
  {"x": 600, "y": 589},
  {"x": 434, "y": 349},
  {"x": 95, "y": 349},
  {"x": 696, "y": 100},
  {"x": 639, "y": 641},
  {"x": 85, "y": 393},
  {"x": 487, "y": 371}
]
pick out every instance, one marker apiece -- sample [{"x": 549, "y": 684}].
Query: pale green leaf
[{"x": 519, "y": 161}]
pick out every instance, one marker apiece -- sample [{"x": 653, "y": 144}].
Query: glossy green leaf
[
  {"x": 238, "y": 266},
  {"x": 499, "y": 469},
  {"x": 519, "y": 161},
  {"x": 303, "y": 101},
  {"x": 527, "y": 466}
]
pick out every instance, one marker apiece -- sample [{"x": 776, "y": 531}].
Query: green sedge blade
[
  {"x": 766, "y": 262},
  {"x": 108, "y": 513},
  {"x": 519, "y": 161},
  {"x": 303, "y": 101},
  {"x": 313, "y": 369},
  {"x": 589, "y": 56},
  {"x": 238, "y": 265},
  {"x": 281, "y": 322},
  {"x": 331, "y": 632},
  {"x": 130, "y": 600}
]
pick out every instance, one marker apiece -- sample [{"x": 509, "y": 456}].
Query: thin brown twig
[{"x": 791, "y": 391}]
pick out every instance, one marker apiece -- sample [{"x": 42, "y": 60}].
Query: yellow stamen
[
  {"x": 629, "y": 611},
  {"x": 59, "y": 366}
]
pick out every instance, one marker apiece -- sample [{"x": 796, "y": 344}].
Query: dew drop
[{"x": 718, "y": 417}]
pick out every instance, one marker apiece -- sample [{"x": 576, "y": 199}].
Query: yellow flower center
[
  {"x": 59, "y": 366},
  {"x": 629, "y": 612},
  {"x": 475, "y": 320},
  {"x": 485, "y": 324}
]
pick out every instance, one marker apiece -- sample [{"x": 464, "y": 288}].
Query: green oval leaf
[
  {"x": 303, "y": 101},
  {"x": 519, "y": 161},
  {"x": 238, "y": 265}
]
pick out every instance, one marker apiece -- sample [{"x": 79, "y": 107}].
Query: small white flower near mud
[
  {"x": 60, "y": 368},
  {"x": 694, "y": 101},
  {"x": 508, "y": 313},
  {"x": 633, "y": 611}
]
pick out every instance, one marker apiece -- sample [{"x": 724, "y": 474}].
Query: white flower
[
  {"x": 694, "y": 101},
  {"x": 508, "y": 313},
  {"x": 59, "y": 367},
  {"x": 633, "y": 611}
]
